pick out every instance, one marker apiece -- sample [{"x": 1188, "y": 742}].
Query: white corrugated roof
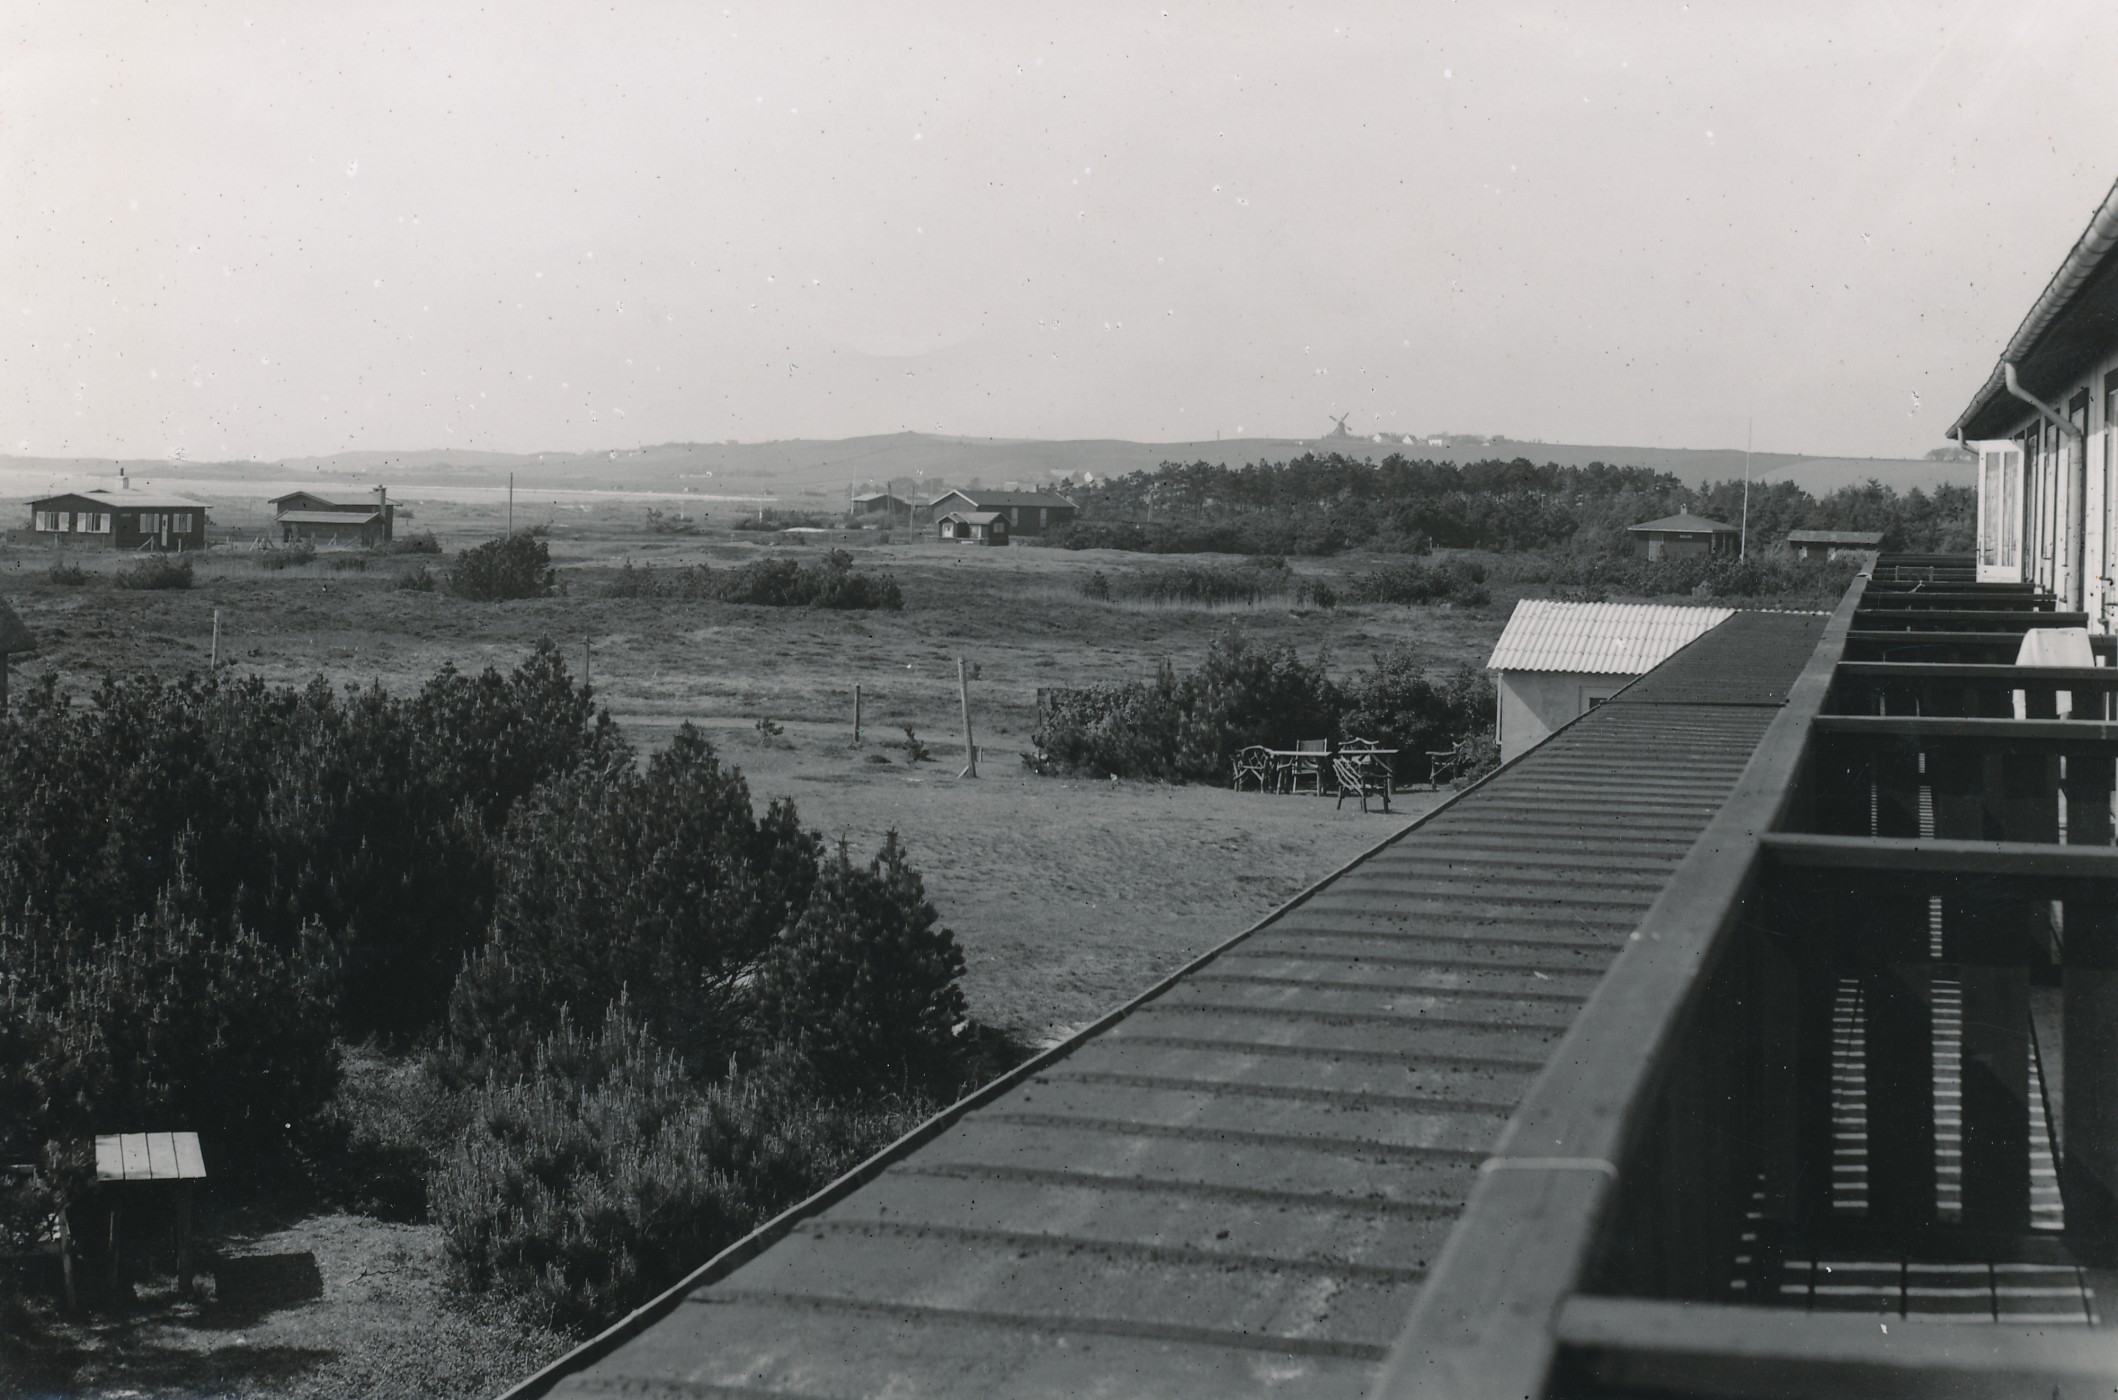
[{"x": 1604, "y": 639}]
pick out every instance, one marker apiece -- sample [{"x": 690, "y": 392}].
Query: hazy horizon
[{"x": 241, "y": 234}]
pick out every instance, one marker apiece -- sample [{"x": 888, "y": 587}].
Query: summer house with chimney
[{"x": 366, "y": 518}]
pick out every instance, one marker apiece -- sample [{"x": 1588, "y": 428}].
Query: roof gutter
[{"x": 2082, "y": 261}]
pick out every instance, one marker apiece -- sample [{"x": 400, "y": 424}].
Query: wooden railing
[{"x": 1897, "y": 830}]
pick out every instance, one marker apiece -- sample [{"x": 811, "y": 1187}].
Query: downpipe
[{"x": 2078, "y": 486}]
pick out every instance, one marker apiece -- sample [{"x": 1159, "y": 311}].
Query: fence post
[
  {"x": 970, "y": 749},
  {"x": 856, "y": 712}
]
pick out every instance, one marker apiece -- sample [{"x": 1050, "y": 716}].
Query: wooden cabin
[
  {"x": 118, "y": 520},
  {"x": 881, "y": 507},
  {"x": 973, "y": 527},
  {"x": 1684, "y": 535},
  {"x": 367, "y": 519},
  {"x": 1027, "y": 512}
]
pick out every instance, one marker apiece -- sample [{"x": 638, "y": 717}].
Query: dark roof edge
[
  {"x": 539, "y": 1384},
  {"x": 2080, "y": 264}
]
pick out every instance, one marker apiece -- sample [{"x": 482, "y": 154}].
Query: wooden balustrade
[{"x": 1900, "y": 828}]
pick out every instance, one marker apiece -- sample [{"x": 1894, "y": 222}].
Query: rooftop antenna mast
[{"x": 1743, "y": 545}]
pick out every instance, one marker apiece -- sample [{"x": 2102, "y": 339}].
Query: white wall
[
  {"x": 2090, "y": 516},
  {"x": 1534, "y": 703}
]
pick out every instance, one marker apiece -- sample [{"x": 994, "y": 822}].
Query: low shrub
[
  {"x": 291, "y": 556},
  {"x": 1457, "y": 581},
  {"x": 422, "y": 543},
  {"x": 154, "y": 571},
  {"x": 67, "y": 574},
  {"x": 788, "y": 520},
  {"x": 671, "y": 524},
  {"x": 514, "y": 566},
  {"x": 694, "y": 583},
  {"x": 1197, "y": 584},
  {"x": 830, "y": 582},
  {"x": 1782, "y": 578},
  {"x": 347, "y": 563},
  {"x": 383, "y": 1133},
  {"x": 606, "y": 1173},
  {"x": 1402, "y": 706},
  {"x": 417, "y": 579}
]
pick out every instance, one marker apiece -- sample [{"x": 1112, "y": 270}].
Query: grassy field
[{"x": 1069, "y": 896}]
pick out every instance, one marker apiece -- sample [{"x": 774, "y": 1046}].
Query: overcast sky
[{"x": 255, "y": 229}]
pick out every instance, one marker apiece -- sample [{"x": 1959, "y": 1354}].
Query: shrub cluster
[
  {"x": 830, "y": 582},
  {"x": 154, "y": 571},
  {"x": 291, "y": 556},
  {"x": 1782, "y": 577},
  {"x": 371, "y": 815},
  {"x": 421, "y": 543},
  {"x": 1457, "y": 581},
  {"x": 772, "y": 520},
  {"x": 67, "y": 574},
  {"x": 1190, "y": 727},
  {"x": 513, "y": 566}
]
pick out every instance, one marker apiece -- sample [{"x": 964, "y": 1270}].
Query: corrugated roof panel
[
  {"x": 1607, "y": 639},
  {"x": 1236, "y": 1189}
]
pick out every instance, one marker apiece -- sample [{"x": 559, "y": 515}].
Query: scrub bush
[
  {"x": 606, "y": 1172},
  {"x": 514, "y": 566},
  {"x": 154, "y": 571}
]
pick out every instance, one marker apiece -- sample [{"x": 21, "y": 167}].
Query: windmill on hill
[{"x": 1338, "y": 427}]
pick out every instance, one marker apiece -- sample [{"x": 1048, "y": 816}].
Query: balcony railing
[{"x": 1843, "y": 1118}]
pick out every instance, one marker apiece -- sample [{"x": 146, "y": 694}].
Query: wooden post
[
  {"x": 585, "y": 677},
  {"x": 970, "y": 747},
  {"x": 1899, "y": 1052},
  {"x": 213, "y": 656},
  {"x": 856, "y": 712},
  {"x": 183, "y": 1239},
  {"x": 66, "y": 1254},
  {"x": 511, "y": 503},
  {"x": 2088, "y": 1170}
]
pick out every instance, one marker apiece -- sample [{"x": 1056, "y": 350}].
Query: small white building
[{"x": 1557, "y": 661}]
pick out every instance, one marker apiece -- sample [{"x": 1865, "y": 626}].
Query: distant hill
[{"x": 828, "y": 467}]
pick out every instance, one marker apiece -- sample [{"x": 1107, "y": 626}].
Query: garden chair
[
  {"x": 1311, "y": 756},
  {"x": 1254, "y": 762},
  {"x": 1362, "y": 775}
]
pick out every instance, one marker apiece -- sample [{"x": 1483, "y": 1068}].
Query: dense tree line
[{"x": 1320, "y": 504}]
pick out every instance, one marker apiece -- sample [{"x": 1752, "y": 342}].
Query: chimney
[{"x": 124, "y": 481}]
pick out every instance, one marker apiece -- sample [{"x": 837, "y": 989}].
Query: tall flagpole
[{"x": 1743, "y": 548}]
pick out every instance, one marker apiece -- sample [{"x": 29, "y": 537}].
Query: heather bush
[
  {"x": 830, "y": 582},
  {"x": 863, "y": 989},
  {"x": 154, "y": 571},
  {"x": 1199, "y": 584},
  {"x": 1784, "y": 578},
  {"x": 694, "y": 582},
  {"x": 67, "y": 574},
  {"x": 606, "y": 1171},
  {"x": 421, "y": 543},
  {"x": 514, "y": 566},
  {"x": 417, "y": 579}
]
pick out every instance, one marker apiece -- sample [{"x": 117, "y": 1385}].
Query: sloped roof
[
  {"x": 337, "y": 496},
  {"x": 1602, "y": 639},
  {"x": 1868, "y": 538},
  {"x": 327, "y": 517},
  {"x": 1687, "y": 523},
  {"x": 976, "y": 517},
  {"x": 988, "y": 500},
  {"x": 138, "y": 500},
  {"x": 13, "y": 635}
]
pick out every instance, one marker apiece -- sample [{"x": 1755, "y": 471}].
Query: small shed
[
  {"x": 1556, "y": 661},
  {"x": 974, "y": 527},
  {"x": 1684, "y": 535},
  {"x": 123, "y": 519},
  {"x": 14, "y": 637},
  {"x": 1830, "y": 544}
]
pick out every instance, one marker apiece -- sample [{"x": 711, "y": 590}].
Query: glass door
[{"x": 2000, "y": 512}]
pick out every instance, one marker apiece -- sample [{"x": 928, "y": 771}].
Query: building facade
[
  {"x": 2041, "y": 425},
  {"x": 118, "y": 520},
  {"x": 973, "y": 527},
  {"x": 1684, "y": 535},
  {"x": 1830, "y": 544},
  {"x": 1027, "y": 512},
  {"x": 367, "y": 519}
]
